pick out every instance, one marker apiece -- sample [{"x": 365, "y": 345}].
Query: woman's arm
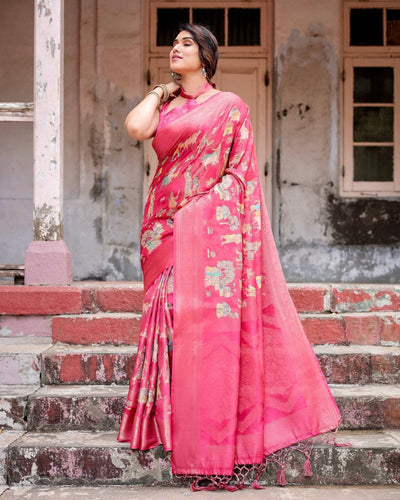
[{"x": 142, "y": 122}]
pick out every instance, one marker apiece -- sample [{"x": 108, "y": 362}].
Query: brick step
[
  {"x": 353, "y": 328},
  {"x": 353, "y": 364},
  {"x": 123, "y": 328},
  {"x": 20, "y": 360},
  {"x": 127, "y": 297},
  {"x": 78, "y": 298},
  {"x": 7, "y": 437},
  {"x": 100, "y": 328},
  {"x": 95, "y": 458},
  {"x": 359, "y": 364},
  {"x": 14, "y": 405},
  {"x": 62, "y": 408},
  {"x": 88, "y": 364}
]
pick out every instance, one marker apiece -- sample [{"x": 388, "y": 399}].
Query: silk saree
[{"x": 224, "y": 375}]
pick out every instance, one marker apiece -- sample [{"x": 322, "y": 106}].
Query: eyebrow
[{"x": 185, "y": 38}]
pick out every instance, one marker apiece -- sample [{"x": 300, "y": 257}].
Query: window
[
  {"x": 238, "y": 25},
  {"x": 371, "y": 140}
]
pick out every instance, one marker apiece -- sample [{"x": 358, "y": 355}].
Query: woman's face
[{"x": 184, "y": 55}]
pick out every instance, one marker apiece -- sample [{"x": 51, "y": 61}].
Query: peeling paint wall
[
  {"x": 321, "y": 236},
  {"x": 16, "y": 138},
  {"x": 110, "y": 207},
  {"x": 102, "y": 167}
]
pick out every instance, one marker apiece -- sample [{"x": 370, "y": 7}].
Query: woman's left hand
[{"x": 173, "y": 87}]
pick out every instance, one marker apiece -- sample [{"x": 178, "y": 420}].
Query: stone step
[
  {"x": 14, "y": 405},
  {"x": 58, "y": 408},
  {"x": 7, "y": 437},
  {"x": 109, "y": 364},
  {"x": 25, "y": 326},
  {"x": 368, "y": 406},
  {"x": 168, "y": 493},
  {"x": 95, "y": 458},
  {"x": 90, "y": 364},
  {"x": 100, "y": 328},
  {"x": 20, "y": 360},
  {"x": 62, "y": 408},
  {"x": 79, "y": 298},
  {"x": 123, "y": 328},
  {"x": 378, "y": 328},
  {"x": 359, "y": 364},
  {"x": 92, "y": 297}
]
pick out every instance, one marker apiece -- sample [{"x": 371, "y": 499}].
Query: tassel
[
  {"x": 307, "y": 468},
  {"x": 281, "y": 478},
  {"x": 257, "y": 486},
  {"x": 195, "y": 487},
  {"x": 229, "y": 487}
]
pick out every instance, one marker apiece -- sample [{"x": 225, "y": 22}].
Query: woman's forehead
[{"x": 184, "y": 35}]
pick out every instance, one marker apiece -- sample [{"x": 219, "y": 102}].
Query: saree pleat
[
  {"x": 146, "y": 420},
  {"x": 245, "y": 381}
]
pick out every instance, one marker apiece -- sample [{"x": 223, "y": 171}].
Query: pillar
[{"x": 47, "y": 258}]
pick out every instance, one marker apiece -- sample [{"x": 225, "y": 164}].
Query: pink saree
[{"x": 245, "y": 381}]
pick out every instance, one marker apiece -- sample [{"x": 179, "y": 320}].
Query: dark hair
[{"x": 208, "y": 46}]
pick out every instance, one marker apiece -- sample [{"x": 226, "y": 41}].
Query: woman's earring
[
  {"x": 177, "y": 77},
  {"x": 204, "y": 72}
]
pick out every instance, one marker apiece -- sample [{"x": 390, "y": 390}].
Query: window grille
[{"x": 234, "y": 26}]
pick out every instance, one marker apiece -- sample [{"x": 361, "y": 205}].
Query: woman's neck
[{"x": 191, "y": 84}]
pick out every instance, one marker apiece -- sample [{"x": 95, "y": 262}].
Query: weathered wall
[
  {"x": 16, "y": 138},
  {"x": 110, "y": 205},
  {"x": 102, "y": 166},
  {"x": 321, "y": 236}
]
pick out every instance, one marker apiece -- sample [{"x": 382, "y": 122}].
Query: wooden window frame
[
  {"x": 237, "y": 50},
  {"x": 367, "y": 56},
  {"x": 16, "y": 111}
]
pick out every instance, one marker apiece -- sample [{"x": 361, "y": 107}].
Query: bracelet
[
  {"x": 156, "y": 94},
  {"x": 165, "y": 90}
]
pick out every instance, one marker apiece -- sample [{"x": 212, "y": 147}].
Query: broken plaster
[
  {"x": 44, "y": 8},
  {"x": 51, "y": 46},
  {"x": 47, "y": 225},
  {"x": 40, "y": 89}
]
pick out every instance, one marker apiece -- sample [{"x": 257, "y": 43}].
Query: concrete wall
[
  {"x": 102, "y": 166},
  {"x": 16, "y": 138},
  {"x": 108, "y": 210},
  {"x": 322, "y": 237}
]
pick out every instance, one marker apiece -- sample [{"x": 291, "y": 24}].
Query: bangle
[
  {"x": 165, "y": 90},
  {"x": 156, "y": 94}
]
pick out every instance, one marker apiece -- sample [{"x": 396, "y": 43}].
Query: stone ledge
[
  {"x": 99, "y": 407},
  {"x": 79, "y": 458},
  {"x": 101, "y": 328},
  {"x": 39, "y": 300},
  {"x": 168, "y": 493}
]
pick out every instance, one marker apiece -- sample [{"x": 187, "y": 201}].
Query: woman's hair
[{"x": 208, "y": 46}]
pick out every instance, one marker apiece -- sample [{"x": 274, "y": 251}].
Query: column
[{"x": 47, "y": 258}]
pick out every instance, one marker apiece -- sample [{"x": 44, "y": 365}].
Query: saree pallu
[{"x": 245, "y": 381}]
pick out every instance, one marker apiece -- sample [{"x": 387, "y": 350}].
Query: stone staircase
[{"x": 66, "y": 356}]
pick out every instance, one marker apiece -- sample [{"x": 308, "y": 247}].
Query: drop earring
[
  {"x": 176, "y": 77},
  {"x": 204, "y": 72}
]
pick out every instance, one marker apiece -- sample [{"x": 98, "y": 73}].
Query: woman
[{"x": 244, "y": 382}]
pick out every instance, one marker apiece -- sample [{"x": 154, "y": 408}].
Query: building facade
[{"x": 321, "y": 77}]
